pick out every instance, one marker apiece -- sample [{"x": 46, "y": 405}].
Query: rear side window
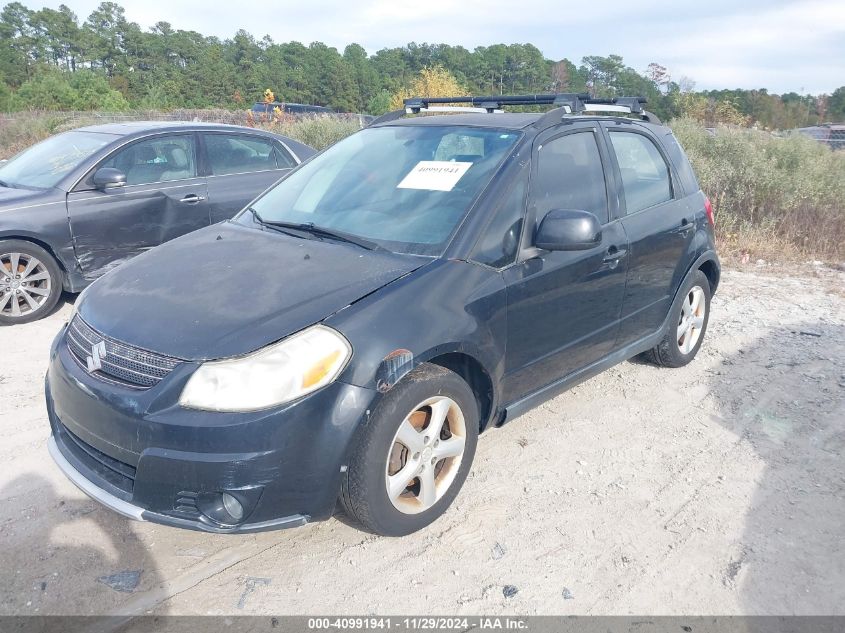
[
  {"x": 570, "y": 176},
  {"x": 238, "y": 154},
  {"x": 645, "y": 174}
]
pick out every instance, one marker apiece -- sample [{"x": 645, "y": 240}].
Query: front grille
[
  {"x": 115, "y": 472},
  {"x": 122, "y": 363}
]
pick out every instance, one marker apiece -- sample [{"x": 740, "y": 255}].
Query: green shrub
[
  {"x": 785, "y": 191},
  {"x": 93, "y": 92},
  {"x": 53, "y": 90}
]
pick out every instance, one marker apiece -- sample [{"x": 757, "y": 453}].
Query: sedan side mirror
[
  {"x": 568, "y": 230},
  {"x": 108, "y": 178}
]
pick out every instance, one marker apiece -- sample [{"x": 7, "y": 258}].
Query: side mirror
[
  {"x": 568, "y": 230},
  {"x": 108, "y": 178}
]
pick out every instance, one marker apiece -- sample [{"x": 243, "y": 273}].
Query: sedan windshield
[
  {"x": 403, "y": 188},
  {"x": 43, "y": 165}
]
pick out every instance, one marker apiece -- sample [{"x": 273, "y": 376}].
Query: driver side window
[
  {"x": 570, "y": 176},
  {"x": 159, "y": 159}
]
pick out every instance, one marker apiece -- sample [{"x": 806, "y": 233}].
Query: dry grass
[
  {"x": 774, "y": 197},
  {"x": 20, "y": 130}
]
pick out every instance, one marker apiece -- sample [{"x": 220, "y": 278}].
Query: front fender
[
  {"x": 446, "y": 307},
  {"x": 42, "y": 220}
]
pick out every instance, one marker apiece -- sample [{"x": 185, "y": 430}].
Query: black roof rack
[
  {"x": 497, "y": 102},
  {"x": 564, "y": 103}
]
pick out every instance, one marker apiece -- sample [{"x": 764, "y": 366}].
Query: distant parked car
[
  {"x": 831, "y": 134},
  {"x": 79, "y": 203},
  {"x": 267, "y": 109}
]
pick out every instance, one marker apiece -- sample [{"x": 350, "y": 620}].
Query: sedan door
[
  {"x": 163, "y": 198},
  {"x": 241, "y": 166},
  {"x": 660, "y": 227},
  {"x": 564, "y": 306}
]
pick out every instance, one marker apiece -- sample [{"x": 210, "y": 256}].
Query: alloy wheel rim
[
  {"x": 25, "y": 284},
  {"x": 425, "y": 455},
  {"x": 691, "y": 321}
]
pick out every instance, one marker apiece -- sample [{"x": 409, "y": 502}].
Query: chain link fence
[{"x": 832, "y": 135}]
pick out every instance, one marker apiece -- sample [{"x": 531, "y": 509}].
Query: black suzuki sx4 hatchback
[{"x": 349, "y": 334}]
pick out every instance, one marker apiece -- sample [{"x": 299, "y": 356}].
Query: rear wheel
[
  {"x": 688, "y": 324},
  {"x": 30, "y": 282},
  {"x": 414, "y": 454}
]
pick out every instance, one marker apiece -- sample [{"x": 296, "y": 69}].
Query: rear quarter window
[{"x": 681, "y": 163}]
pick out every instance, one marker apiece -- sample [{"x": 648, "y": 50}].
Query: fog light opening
[{"x": 233, "y": 507}]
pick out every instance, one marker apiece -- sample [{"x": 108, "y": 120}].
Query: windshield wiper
[
  {"x": 320, "y": 231},
  {"x": 3, "y": 183},
  {"x": 278, "y": 227}
]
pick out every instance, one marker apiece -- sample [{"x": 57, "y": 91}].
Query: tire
[
  {"x": 392, "y": 448},
  {"x": 30, "y": 282},
  {"x": 678, "y": 348}
]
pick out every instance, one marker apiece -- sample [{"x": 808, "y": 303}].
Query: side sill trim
[
  {"x": 532, "y": 400},
  {"x": 516, "y": 409},
  {"x": 97, "y": 494}
]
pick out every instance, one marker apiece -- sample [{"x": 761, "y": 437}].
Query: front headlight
[{"x": 276, "y": 374}]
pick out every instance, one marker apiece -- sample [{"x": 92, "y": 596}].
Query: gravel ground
[{"x": 716, "y": 488}]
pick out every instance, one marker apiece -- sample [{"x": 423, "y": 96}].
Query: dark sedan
[{"x": 77, "y": 204}]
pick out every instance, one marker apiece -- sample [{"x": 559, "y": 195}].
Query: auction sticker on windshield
[{"x": 434, "y": 175}]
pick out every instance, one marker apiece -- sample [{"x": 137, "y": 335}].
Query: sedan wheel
[
  {"x": 30, "y": 282},
  {"x": 25, "y": 285},
  {"x": 425, "y": 455}
]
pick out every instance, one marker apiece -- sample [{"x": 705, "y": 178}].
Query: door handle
[
  {"x": 614, "y": 254},
  {"x": 612, "y": 257},
  {"x": 687, "y": 225},
  {"x": 192, "y": 198}
]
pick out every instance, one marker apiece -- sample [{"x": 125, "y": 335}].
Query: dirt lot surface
[{"x": 716, "y": 488}]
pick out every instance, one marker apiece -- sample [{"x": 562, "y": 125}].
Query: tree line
[{"x": 49, "y": 59}]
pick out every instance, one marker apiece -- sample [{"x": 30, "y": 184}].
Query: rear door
[
  {"x": 163, "y": 199},
  {"x": 239, "y": 167},
  {"x": 659, "y": 225},
  {"x": 564, "y": 306}
]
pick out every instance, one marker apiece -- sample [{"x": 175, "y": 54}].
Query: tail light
[{"x": 708, "y": 209}]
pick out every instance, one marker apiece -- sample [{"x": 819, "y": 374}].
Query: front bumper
[
  {"x": 138, "y": 513},
  {"x": 142, "y": 455}
]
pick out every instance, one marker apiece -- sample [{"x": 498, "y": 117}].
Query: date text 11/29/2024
[{"x": 419, "y": 623}]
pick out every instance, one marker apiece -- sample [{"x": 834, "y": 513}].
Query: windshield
[
  {"x": 404, "y": 188},
  {"x": 43, "y": 165}
]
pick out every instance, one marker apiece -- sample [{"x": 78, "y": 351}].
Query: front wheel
[
  {"x": 414, "y": 453},
  {"x": 687, "y": 326},
  {"x": 30, "y": 282}
]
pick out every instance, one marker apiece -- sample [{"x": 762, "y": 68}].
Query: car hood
[
  {"x": 11, "y": 198},
  {"x": 228, "y": 289}
]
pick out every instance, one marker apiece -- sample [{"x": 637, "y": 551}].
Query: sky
[{"x": 781, "y": 45}]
